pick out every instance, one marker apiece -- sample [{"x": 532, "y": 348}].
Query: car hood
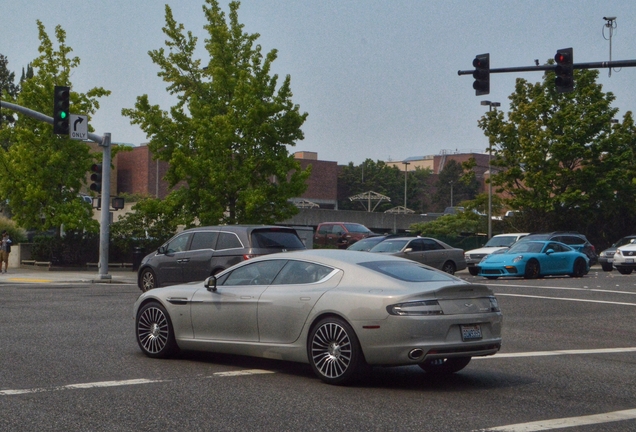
[
  {"x": 486, "y": 250},
  {"x": 501, "y": 258}
]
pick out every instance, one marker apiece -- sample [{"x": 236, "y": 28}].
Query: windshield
[
  {"x": 504, "y": 241},
  {"x": 408, "y": 271},
  {"x": 526, "y": 247},
  {"x": 390, "y": 246},
  {"x": 365, "y": 244}
]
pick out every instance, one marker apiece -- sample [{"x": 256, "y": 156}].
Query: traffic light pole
[
  {"x": 104, "y": 142},
  {"x": 591, "y": 65}
]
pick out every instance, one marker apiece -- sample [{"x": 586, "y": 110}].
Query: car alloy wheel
[
  {"x": 148, "y": 280},
  {"x": 155, "y": 335},
  {"x": 334, "y": 351},
  {"x": 449, "y": 267}
]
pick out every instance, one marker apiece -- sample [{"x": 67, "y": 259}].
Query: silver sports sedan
[{"x": 340, "y": 311}]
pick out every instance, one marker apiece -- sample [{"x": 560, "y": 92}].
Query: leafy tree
[
  {"x": 561, "y": 161},
  {"x": 41, "y": 173},
  {"x": 383, "y": 179},
  {"x": 8, "y": 89},
  {"x": 226, "y": 137},
  {"x": 456, "y": 180}
]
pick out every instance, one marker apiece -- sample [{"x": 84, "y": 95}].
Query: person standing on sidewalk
[{"x": 5, "y": 250}]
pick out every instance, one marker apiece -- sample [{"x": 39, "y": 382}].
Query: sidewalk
[{"x": 31, "y": 274}]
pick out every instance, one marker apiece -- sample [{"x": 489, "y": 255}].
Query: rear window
[
  {"x": 276, "y": 239},
  {"x": 390, "y": 246},
  {"x": 409, "y": 271}
]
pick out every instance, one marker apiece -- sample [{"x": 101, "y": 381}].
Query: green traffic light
[{"x": 63, "y": 114}]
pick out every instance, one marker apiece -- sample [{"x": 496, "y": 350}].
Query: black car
[
  {"x": 197, "y": 253},
  {"x": 571, "y": 238}
]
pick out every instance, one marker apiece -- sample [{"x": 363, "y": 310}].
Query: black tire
[
  {"x": 445, "y": 366},
  {"x": 579, "y": 269},
  {"x": 624, "y": 270},
  {"x": 147, "y": 280},
  {"x": 474, "y": 271},
  {"x": 449, "y": 267},
  {"x": 607, "y": 267},
  {"x": 334, "y": 351},
  {"x": 154, "y": 331},
  {"x": 533, "y": 270}
]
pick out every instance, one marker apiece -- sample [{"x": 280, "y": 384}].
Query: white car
[
  {"x": 625, "y": 258},
  {"x": 496, "y": 243}
]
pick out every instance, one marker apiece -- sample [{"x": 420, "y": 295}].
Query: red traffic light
[{"x": 481, "y": 74}]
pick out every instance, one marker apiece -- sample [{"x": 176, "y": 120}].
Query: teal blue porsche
[{"x": 535, "y": 259}]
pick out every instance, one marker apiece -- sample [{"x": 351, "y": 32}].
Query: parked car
[
  {"x": 366, "y": 244},
  {"x": 571, "y": 238},
  {"x": 424, "y": 250},
  {"x": 197, "y": 253},
  {"x": 532, "y": 259},
  {"x": 625, "y": 258},
  {"x": 606, "y": 257},
  {"x": 357, "y": 309},
  {"x": 340, "y": 234},
  {"x": 497, "y": 243}
]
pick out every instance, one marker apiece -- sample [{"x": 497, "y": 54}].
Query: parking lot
[{"x": 69, "y": 361}]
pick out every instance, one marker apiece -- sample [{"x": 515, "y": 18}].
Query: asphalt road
[{"x": 69, "y": 362}]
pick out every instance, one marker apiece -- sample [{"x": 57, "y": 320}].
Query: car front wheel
[
  {"x": 334, "y": 351},
  {"x": 445, "y": 366},
  {"x": 624, "y": 270},
  {"x": 154, "y": 331},
  {"x": 148, "y": 280},
  {"x": 474, "y": 271}
]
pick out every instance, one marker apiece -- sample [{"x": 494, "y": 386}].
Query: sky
[{"x": 378, "y": 78}]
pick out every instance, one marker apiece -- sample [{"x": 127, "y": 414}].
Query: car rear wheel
[
  {"x": 624, "y": 270},
  {"x": 445, "y": 366},
  {"x": 579, "y": 268},
  {"x": 607, "y": 267},
  {"x": 474, "y": 271},
  {"x": 449, "y": 267},
  {"x": 154, "y": 331},
  {"x": 533, "y": 270},
  {"x": 148, "y": 280},
  {"x": 334, "y": 351}
]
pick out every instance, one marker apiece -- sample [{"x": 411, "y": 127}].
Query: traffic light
[
  {"x": 481, "y": 74},
  {"x": 61, "y": 114},
  {"x": 96, "y": 177},
  {"x": 564, "y": 70}
]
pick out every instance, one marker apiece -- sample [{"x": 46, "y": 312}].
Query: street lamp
[
  {"x": 451, "y": 185},
  {"x": 490, "y": 105},
  {"x": 406, "y": 166}
]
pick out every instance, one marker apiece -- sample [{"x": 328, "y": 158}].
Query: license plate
[
  {"x": 629, "y": 260},
  {"x": 610, "y": 260},
  {"x": 471, "y": 332}
]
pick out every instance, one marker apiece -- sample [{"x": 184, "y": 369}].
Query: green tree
[
  {"x": 383, "y": 179},
  {"x": 41, "y": 173},
  {"x": 226, "y": 138},
  {"x": 8, "y": 89},
  {"x": 455, "y": 183},
  {"x": 562, "y": 162}
]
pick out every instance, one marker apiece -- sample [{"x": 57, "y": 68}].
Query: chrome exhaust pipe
[{"x": 416, "y": 354}]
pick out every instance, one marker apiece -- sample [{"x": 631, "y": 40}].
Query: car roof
[
  {"x": 333, "y": 257},
  {"x": 237, "y": 228}
]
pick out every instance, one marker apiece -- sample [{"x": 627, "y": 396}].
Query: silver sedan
[{"x": 340, "y": 311}]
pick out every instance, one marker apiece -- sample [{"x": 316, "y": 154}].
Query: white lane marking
[
  {"x": 565, "y": 299},
  {"x": 124, "y": 383},
  {"x": 559, "y": 352},
  {"x": 544, "y": 425},
  {"x": 79, "y": 386},
  {"x": 566, "y": 288},
  {"x": 243, "y": 372}
]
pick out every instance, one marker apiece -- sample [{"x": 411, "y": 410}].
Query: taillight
[{"x": 248, "y": 256}]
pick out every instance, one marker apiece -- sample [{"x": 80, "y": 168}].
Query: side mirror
[
  {"x": 210, "y": 283},
  {"x": 162, "y": 250},
  {"x": 407, "y": 250},
  {"x": 549, "y": 252}
]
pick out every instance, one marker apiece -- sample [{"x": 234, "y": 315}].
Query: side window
[
  {"x": 228, "y": 241},
  {"x": 178, "y": 244},
  {"x": 430, "y": 245},
  {"x": 417, "y": 245},
  {"x": 258, "y": 273},
  {"x": 555, "y": 247},
  {"x": 300, "y": 272},
  {"x": 338, "y": 229},
  {"x": 204, "y": 240},
  {"x": 325, "y": 229}
]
